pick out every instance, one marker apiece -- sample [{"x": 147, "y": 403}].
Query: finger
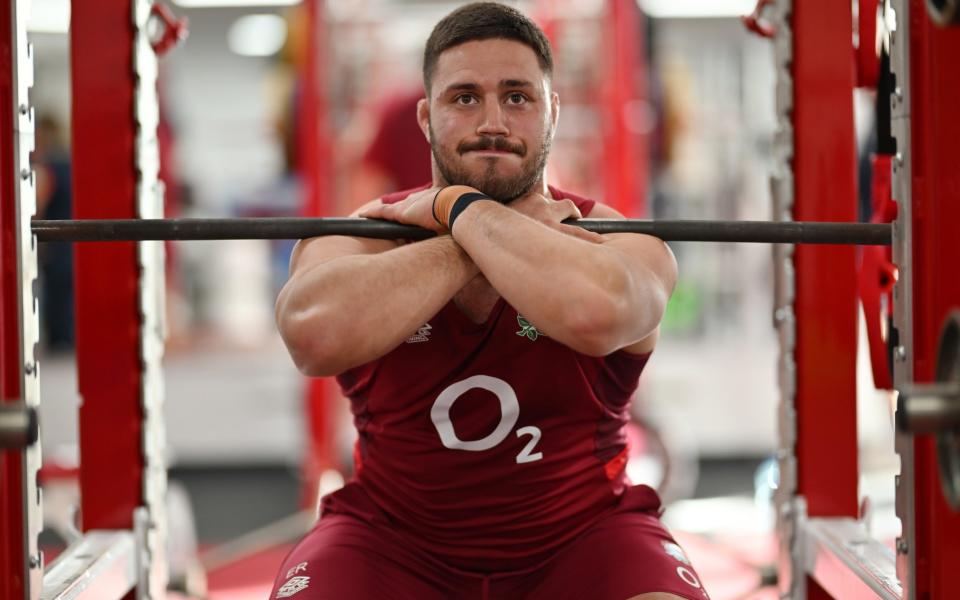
[
  {"x": 572, "y": 211},
  {"x": 384, "y": 211},
  {"x": 373, "y": 212},
  {"x": 391, "y": 211}
]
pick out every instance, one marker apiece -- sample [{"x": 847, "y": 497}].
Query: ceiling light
[
  {"x": 257, "y": 35},
  {"x": 696, "y": 9}
]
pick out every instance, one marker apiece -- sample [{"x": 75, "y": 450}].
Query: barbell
[{"x": 119, "y": 230}]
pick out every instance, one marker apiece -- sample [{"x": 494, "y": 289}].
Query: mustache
[{"x": 498, "y": 143}]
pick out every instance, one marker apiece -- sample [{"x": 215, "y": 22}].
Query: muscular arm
[
  {"x": 594, "y": 297},
  {"x": 351, "y": 300}
]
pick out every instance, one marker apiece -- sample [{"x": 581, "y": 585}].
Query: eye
[
  {"x": 516, "y": 98},
  {"x": 465, "y": 99}
]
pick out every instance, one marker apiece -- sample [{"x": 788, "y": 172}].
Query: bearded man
[{"x": 490, "y": 368}]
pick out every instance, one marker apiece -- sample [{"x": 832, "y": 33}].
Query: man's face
[{"x": 490, "y": 117}]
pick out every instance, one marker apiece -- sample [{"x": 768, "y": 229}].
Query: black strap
[{"x": 461, "y": 203}]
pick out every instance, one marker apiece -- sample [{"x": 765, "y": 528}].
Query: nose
[{"x": 494, "y": 121}]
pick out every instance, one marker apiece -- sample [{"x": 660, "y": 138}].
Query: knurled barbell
[{"x": 117, "y": 230}]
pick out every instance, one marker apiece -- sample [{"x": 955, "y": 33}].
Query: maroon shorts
[{"x": 623, "y": 555}]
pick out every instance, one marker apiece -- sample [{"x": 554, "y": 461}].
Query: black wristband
[{"x": 461, "y": 203}]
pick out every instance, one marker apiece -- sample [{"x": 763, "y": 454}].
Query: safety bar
[
  {"x": 930, "y": 408},
  {"x": 101, "y": 566},
  {"x": 18, "y": 425},
  {"x": 840, "y": 555}
]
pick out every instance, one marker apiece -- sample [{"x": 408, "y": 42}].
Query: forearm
[
  {"x": 582, "y": 294},
  {"x": 353, "y": 309}
]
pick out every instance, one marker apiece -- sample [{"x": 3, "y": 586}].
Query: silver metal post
[
  {"x": 26, "y": 203},
  {"x": 151, "y": 518},
  {"x": 896, "y": 16},
  {"x": 929, "y": 408},
  {"x": 790, "y": 507}
]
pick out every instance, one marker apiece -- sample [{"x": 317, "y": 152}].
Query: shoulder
[
  {"x": 585, "y": 205},
  {"x": 398, "y": 196}
]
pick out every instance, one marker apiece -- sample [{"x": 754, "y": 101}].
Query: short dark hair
[{"x": 484, "y": 21}]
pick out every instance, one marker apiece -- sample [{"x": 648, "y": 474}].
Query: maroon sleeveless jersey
[{"x": 490, "y": 445}]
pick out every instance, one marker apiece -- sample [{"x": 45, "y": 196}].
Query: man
[
  {"x": 398, "y": 156},
  {"x": 490, "y": 368}
]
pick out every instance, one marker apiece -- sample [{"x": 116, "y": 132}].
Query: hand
[
  {"x": 552, "y": 212},
  {"x": 415, "y": 209}
]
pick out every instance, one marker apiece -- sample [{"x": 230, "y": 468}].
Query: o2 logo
[{"x": 509, "y": 412}]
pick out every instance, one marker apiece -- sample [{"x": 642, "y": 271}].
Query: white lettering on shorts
[
  {"x": 688, "y": 577},
  {"x": 293, "y": 586},
  {"x": 676, "y": 552},
  {"x": 509, "y": 413},
  {"x": 301, "y": 567}
]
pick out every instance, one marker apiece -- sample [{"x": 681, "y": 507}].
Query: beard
[{"x": 500, "y": 187}]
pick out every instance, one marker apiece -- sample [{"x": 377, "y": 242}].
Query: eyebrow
[
  {"x": 472, "y": 87},
  {"x": 461, "y": 87}
]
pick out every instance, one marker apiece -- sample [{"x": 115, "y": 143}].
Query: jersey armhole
[{"x": 643, "y": 357}]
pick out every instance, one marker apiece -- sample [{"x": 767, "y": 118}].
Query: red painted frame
[
  {"x": 626, "y": 155},
  {"x": 107, "y": 275},
  {"x": 826, "y": 293},
  {"x": 13, "y": 549},
  {"x": 313, "y": 166},
  {"x": 935, "y": 129}
]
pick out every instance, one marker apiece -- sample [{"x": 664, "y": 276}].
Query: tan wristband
[{"x": 444, "y": 200}]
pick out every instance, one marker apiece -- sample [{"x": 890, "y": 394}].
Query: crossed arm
[{"x": 351, "y": 300}]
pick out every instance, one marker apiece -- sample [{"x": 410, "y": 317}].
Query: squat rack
[{"x": 826, "y": 552}]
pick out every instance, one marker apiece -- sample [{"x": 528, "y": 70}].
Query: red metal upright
[
  {"x": 313, "y": 135},
  {"x": 13, "y": 551},
  {"x": 815, "y": 290},
  {"x": 934, "y": 181},
  {"x": 20, "y": 515},
  {"x": 313, "y": 166},
  {"x": 108, "y": 311},
  {"x": 826, "y": 294},
  {"x": 625, "y": 110}
]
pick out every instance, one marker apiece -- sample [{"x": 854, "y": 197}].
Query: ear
[
  {"x": 423, "y": 117},
  {"x": 554, "y": 109}
]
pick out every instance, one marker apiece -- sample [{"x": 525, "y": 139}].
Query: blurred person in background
[
  {"x": 398, "y": 156},
  {"x": 284, "y": 196},
  {"x": 54, "y": 201},
  {"x": 457, "y": 495}
]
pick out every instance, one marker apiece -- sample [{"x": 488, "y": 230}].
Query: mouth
[
  {"x": 491, "y": 152},
  {"x": 494, "y": 147}
]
